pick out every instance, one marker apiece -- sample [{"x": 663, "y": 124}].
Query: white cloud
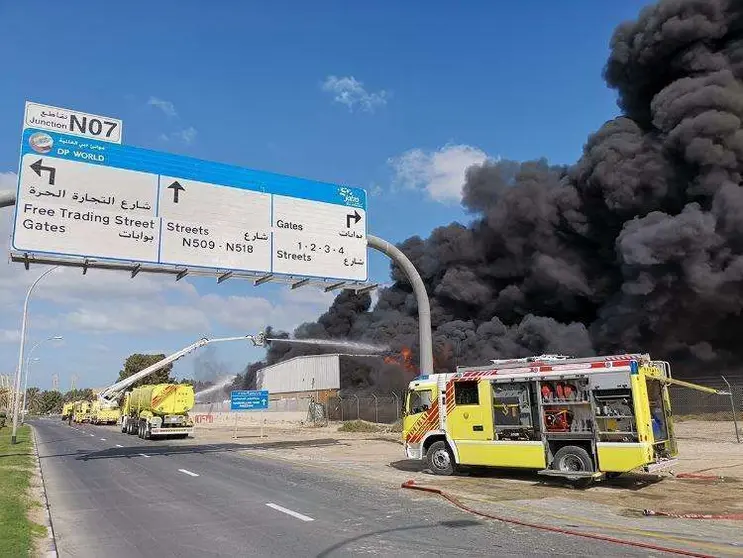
[
  {"x": 249, "y": 314},
  {"x": 187, "y": 135},
  {"x": 375, "y": 190},
  {"x": 8, "y": 181},
  {"x": 351, "y": 92},
  {"x": 10, "y": 336},
  {"x": 137, "y": 318},
  {"x": 184, "y": 135},
  {"x": 166, "y": 106},
  {"x": 440, "y": 173}
]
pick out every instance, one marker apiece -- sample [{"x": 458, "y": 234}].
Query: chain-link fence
[
  {"x": 373, "y": 408},
  {"x": 708, "y": 416}
]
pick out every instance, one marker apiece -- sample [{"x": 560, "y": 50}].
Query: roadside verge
[
  {"x": 47, "y": 548},
  {"x": 18, "y": 532}
]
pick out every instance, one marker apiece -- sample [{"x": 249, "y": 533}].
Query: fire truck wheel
[
  {"x": 440, "y": 459},
  {"x": 572, "y": 459}
]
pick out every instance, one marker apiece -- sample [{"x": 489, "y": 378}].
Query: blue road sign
[
  {"x": 86, "y": 199},
  {"x": 249, "y": 400}
]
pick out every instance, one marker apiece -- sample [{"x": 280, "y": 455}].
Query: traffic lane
[
  {"x": 118, "y": 514},
  {"x": 128, "y": 506},
  {"x": 350, "y": 510},
  {"x": 281, "y": 517},
  {"x": 286, "y": 535},
  {"x": 402, "y": 521}
]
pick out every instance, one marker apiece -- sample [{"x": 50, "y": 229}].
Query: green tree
[
  {"x": 33, "y": 397},
  {"x": 138, "y": 362},
  {"x": 50, "y": 402},
  {"x": 78, "y": 395}
]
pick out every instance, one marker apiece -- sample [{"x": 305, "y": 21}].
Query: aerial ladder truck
[{"x": 157, "y": 410}]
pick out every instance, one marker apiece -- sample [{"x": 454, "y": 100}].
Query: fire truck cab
[{"x": 579, "y": 418}]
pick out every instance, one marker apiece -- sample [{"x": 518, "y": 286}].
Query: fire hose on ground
[
  {"x": 735, "y": 516},
  {"x": 411, "y": 485}
]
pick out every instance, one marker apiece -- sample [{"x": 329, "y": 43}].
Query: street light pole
[
  {"x": 14, "y": 438},
  {"x": 28, "y": 369},
  {"x": 29, "y": 360}
]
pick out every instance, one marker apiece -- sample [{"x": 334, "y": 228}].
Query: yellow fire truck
[{"x": 578, "y": 418}]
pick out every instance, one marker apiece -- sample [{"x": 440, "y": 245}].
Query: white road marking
[
  {"x": 92, "y": 435},
  {"x": 289, "y": 512},
  {"x": 187, "y": 472},
  {"x": 144, "y": 455},
  {"x": 119, "y": 446},
  {"x": 103, "y": 439}
]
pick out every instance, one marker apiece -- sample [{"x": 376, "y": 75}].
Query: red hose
[
  {"x": 697, "y": 476},
  {"x": 410, "y": 484},
  {"x": 738, "y": 516}
]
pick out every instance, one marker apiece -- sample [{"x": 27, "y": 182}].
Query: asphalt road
[{"x": 114, "y": 495}]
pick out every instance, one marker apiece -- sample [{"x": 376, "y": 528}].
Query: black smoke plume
[{"x": 638, "y": 246}]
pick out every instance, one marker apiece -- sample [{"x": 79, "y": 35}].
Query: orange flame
[{"x": 404, "y": 360}]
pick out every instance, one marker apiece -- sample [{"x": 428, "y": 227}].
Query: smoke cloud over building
[{"x": 638, "y": 246}]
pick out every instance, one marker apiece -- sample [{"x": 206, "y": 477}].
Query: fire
[{"x": 404, "y": 360}]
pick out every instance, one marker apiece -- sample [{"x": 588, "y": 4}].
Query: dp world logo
[
  {"x": 349, "y": 197},
  {"x": 41, "y": 142}
]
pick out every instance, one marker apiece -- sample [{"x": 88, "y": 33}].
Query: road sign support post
[{"x": 421, "y": 297}]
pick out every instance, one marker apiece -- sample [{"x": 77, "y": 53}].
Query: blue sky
[{"x": 394, "y": 97}]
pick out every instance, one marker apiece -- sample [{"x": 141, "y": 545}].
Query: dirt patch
[
  {"x": 37, "y": 515},
  {"x": 379, "y": 458}
]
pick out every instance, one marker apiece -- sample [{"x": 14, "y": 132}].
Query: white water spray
[
  {"x": 351, "y": 345},
  {"x": 223, "y": 383}
]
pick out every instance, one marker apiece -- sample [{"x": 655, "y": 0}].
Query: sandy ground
[{"x": 612, "y": 507}]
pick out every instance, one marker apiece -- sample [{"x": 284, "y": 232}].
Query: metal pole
[
  {"x": 7, "y": 198},
  {"x": 25, "y": 382},
  {"x": 397, "y": 406},
  {"x": 376, "y": 408},
  {"x": 732, "y": 406},
  {"x": 358, "y": 408},
  {"x": 28, "y": 367},
  {"x": 13, "y": 438},
  {"x": 421, "y": 297}
]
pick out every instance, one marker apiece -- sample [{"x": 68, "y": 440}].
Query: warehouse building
[{"x": 322, "y": 376}]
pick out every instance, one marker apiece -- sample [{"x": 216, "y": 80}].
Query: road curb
[{"x": 51, "y": 551}]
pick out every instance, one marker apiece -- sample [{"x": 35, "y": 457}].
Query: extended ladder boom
[
  {"x": 505, "y": 365},
  {"x": 112, "y": 392},
  {"x": 690, "y": 385}
]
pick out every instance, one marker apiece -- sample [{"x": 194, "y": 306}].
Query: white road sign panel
[
  {"x": 66, "y": 121},
  {"x": 88, "y": 199}
]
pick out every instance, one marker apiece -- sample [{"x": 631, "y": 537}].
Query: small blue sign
[{"x": 249, "y": 400}]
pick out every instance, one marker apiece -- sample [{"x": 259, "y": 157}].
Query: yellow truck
[
  {"x": 158, "y": 410},
  {"x": 104, "y": 413},
  {"x": 577, "y": 418},
  {"x": 81, "y": 411},
  {"x": 67, "y": 410}
]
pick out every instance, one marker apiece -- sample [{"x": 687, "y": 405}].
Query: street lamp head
[{"x": 58, "y": 338}]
